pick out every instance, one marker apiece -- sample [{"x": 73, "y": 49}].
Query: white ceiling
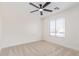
[
  {"x": 24, "y": 8},
  {"x": 61, "y": 5}
]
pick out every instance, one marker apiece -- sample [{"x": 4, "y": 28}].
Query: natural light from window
[{"x": 57, "y": 27}]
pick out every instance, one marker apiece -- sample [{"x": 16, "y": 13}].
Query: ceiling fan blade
[
  {"x": 33, "y": 5},
  {"x": 33, "y": 11},
  {"x": 41, "y": 12},
  {"x": 47, "y": 10},
  {"x": 46, "y": 4},
  {"x": 40, "y": 6}
]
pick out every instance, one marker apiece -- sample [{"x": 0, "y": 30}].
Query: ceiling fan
[{"x": 41, "y": 8}]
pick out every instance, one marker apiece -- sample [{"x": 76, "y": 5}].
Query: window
[
  {"x": 52, "y": 27},
  {"x": 57, "y": 27}
]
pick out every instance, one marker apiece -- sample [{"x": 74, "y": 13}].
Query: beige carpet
[{"x": 40, "y": 48}]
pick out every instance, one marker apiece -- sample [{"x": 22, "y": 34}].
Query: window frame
[{"x": 55, "y": 27}]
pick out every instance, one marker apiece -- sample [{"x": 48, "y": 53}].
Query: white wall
[
  {"x": 0, "y": 30},
  {"x": 71, "y": 39},
  {"x": 18, "y": 26}
]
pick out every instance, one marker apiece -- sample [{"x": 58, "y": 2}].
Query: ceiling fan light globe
[{"x": 40, "y": 9}]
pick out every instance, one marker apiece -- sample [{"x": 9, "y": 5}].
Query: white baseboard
[{"x": 19, "y": 43}]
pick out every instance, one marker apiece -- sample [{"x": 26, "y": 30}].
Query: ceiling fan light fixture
[{"x": 40, "y": 9}]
